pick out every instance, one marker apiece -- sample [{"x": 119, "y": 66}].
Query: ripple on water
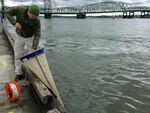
[{"x": 115, "y": 58}]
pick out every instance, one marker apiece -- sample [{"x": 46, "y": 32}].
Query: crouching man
[{"x": 28, "y": 32}]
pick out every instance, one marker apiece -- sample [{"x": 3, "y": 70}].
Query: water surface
[{"x": 100, "y": 65}]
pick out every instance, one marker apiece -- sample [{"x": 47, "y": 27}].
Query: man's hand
[
  {"x": 33, "y": 49},
  {"x": 17, "y": 25}
]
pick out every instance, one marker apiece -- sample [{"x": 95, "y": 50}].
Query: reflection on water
[{"x": 100, "y": 65}]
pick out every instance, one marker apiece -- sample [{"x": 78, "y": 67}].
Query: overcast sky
[
  {"x": 83, "y": 2},
  {"x": 74, "y": 3}
]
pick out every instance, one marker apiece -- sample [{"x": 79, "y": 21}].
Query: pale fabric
[{"x": 21, "y": 46}]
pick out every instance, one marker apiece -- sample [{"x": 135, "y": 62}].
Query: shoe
[{"x": 19, "y": 77}]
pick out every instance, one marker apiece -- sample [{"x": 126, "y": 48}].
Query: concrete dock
[{"x": 7, "y": 74}]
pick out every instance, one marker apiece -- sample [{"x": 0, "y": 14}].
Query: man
[{"x": 28, "y": 32}]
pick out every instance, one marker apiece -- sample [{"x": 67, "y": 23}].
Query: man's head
[{"x": 33, "y": 11}]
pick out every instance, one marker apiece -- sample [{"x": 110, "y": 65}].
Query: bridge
[{"x": 127, "y": 9}]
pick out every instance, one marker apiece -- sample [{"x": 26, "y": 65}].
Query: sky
[
  {"x": 83, "y": 2},
  {"x": 75, "y": 3}
]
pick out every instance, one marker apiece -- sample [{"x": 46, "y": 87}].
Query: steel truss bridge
[{"x": 102, "y": 7}]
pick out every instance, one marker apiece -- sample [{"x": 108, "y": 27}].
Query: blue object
[{"x": 31, "y": 55}]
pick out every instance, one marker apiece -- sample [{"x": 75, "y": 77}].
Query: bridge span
[{"x": 127, "y": 10}]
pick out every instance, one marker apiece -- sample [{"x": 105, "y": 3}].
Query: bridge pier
[
  {"x": 129, "y": 14},
  {"x": 145, "y": 14},
  {"x": 81, "y": 15},
  {"x": 48, "y": 15}
]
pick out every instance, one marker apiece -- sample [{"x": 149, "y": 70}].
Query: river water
[{"x": 100, "y": 65}]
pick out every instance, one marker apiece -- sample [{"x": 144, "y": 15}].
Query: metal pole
[{"x": 2, "y": 10}]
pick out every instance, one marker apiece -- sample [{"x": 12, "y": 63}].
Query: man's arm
[
  {"x": 37, "y": 35},
  {"x": 10, "y": 13}
]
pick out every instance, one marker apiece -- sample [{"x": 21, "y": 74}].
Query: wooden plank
[
  {"x": 53, "y": 111},
  {"x": 41, "y": 90},
  {"x": 39, "y": 66},
  {"x": 36, "y": 62}
]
